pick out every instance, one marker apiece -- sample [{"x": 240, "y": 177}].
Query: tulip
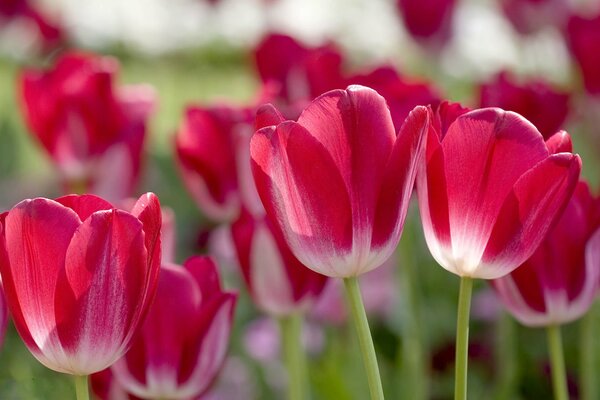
[
  {"x": 3, "y": 314},
  {"x": 583, "y": 35},
  {"x": 530, "y": 16},
  {"x": 182, "y": 345},
  {"x": 535, "y": 100},
  {"x": 337, "y": 185},
  {"x": 91, "y": 129},
  {"x": 429, "y": 22},
  {"x": 211, "y": 148},
  {"x": 50, "y": 33},
  {"x": 489, "y": 191},
  {"x": 79, "y": 277}
]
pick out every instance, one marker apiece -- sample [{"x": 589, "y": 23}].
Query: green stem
[
  {"x": 364, "y": 337},
  {"x": 587, "y": 344},
  {"x": 557, "y": 360},
  {"x": 81, "y": 387},
  {"x": 294, "y": 355},
  {"x": 462, "y": 338}
]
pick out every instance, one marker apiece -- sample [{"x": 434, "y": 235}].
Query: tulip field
[{"x": 271, "y": 199}]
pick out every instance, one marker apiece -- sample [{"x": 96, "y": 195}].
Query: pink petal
[
  {"x": 560, "y": 142},
  {"x": 99, "y": 296},
  {"x": 205, "y": 273},
  {"x": 267, "y": 115},
  {"x": 528, "y": 213},
  {"x": 84, "y": 205}
]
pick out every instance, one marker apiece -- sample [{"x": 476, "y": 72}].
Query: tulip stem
[
  {"x": 364, "y": 337},
  {"x": 81, "y": 387},
  {"x": 462, "y": 338},
  {"x": 557, "y": 361},
  {"x": 294, "y": 355}
]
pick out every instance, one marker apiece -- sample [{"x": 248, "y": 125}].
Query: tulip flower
[
  {"x": 211, "y": 148},
  {"x": 3, "y": 313},
  {"x": 337, "y": 184},
  {"x": 79, "y": 277},
  {"x": 428, "y": 22},
  {"x": 583, "y": 35},
  {"x": 182, "y": 345},
  {"x": 530, "y": 16},
  {"x": 489, "y": 191},
  {"x": 535, "y": 100},
  {"x": 49, "y": 33},
  {"x": 92, "y": 130}
]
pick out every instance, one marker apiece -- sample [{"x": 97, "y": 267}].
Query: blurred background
[{"x": 203, "y": 52}]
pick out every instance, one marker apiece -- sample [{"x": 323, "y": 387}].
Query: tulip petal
[
  {"x": 560, "y": 142},
  {"x": 38, "y": 233},
  {"x": 528, "y": 213},
  {"x": 267, "y": 115},
  {"x": 106, "y": 274},
  {"x": 288, "y": 164},
  {"x": 84, "y": 205},
  {"x": 205, "y": 273}
]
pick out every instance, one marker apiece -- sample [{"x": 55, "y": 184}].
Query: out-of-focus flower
[
  {"x": 212, "y": 151},
  {"x": 105, "y": 387},
  {"x": 93, "y": 131},
  {"x": 182, "y": 345},
  {"x": 280, "y": 285},
  {"x": 429, "y": 22},
  {"x": 3, "y": 314},
  {"x": 583, "y": 36},
  {"x": 49, "y": 33},
  {"x": 535, "y": 100},
  {"x": 299, "y": 73},
  {"x": 79, "y": 277},
  {"x": 530, "y": 16},
  {"x": 490, "y": 189},
  {"x": 402, "y": 94},
  {"x": 556, "y": 285},
  {"x": 337, "y": 183}
]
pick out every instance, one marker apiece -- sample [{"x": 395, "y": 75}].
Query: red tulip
[
  {"x": 583, "y": 36},
  {"x": 535, "y": 100},
  {"x": 300, "y": 73},
  {"x": 91, "y": 129},
  {"x": 183, "y": 342},
  {"x": 530, "y": 16},
  {"x": 49, "y": 32},
  {"x": 212, "y": 150},
  {"x": 3, "y": 313},
  {"x": 401, "y": 93},
  {"x": 556, "y": 285},
  {"x": 79, "y": 277},
  {"x": 490, "y": 189},
  {"x": 337, "y": 182},
  {"x": 428, "y": 21},
  {"x": 278, "y": 282}
]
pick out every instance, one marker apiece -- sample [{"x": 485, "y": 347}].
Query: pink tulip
[
  {"x": 535, "y": 100},
  {"x": 3, "y": 314},
  {"x": 182, "y": 345},
  {"x": 337, "y": 182},
  {"x": 92, "y": 130},
  {"x": 428, "y": 21},
  {"x": 79, "y": 277},
  {"x": 211, "y": 148},
  {"x": 50, "y": 33},
  {"x": 279, "y": 284},
  {"x": 583, "y": 36},
  {"x": 556, "y": 285},
  {"x": 490, "y": 189},
  {"x": 530, "y": 16}
]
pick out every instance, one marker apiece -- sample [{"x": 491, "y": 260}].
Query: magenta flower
[
  {"x": 79, "y": 277},
  {"x": 92, "y": 130},
  {"x": 428, "y": 21},
  {"x": 490, "y": 189},
  {"x": 583, "y": 36},
  {"x": 556, "y": 285},
  {"x": 182, "y": 345},
  {"x": 337, "y": 182}
]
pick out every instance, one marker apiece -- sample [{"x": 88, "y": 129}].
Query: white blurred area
[{"x": 370, "y": 30}]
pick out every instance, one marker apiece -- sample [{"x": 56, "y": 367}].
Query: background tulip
[
  {"x": 182, "y": 345},
  {"x": 79, "y": 277},
  {"x": 583, "y": 34},
  {"x": 91, "y": 128}
]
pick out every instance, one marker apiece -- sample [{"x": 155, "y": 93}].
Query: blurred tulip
[
  {"x": 79, "y": 277},
  {"x": 401, "y": 93},
  {"x": 556, "y": 285},
  {"x": 105, "y": 387},
  {"x": 279, "y": 284},
  {"x": 583, "y": 36},
  {"x": 183, "y": 342},
  {"x": 337, "y": 182},
  {"x": 490, "y": 189},
  {"x": 530, "y": 16},
  {"x": 92, "y": 130},
  {"x": 429, "y": 22},
  {"x": 535, "y": 100},
  {"x": 50, "y": 33},
  {"x": 300, "y": 73},
  {"x": 3, "y": 313},
  {"x": 211, "y": 148}
]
